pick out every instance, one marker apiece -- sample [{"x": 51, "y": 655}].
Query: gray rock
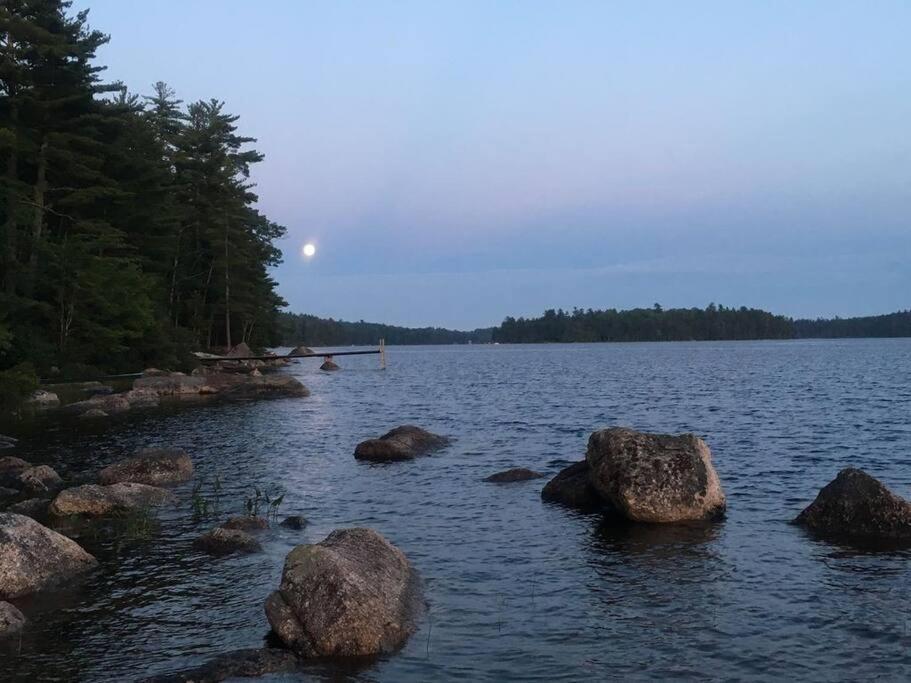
[
  {"x": 12, "y": 620},
  {"x": 402, "y": 443},
  {"x": 6, "y": 442},
  {"x": 92, "y": 500},
  {"x": 221, "y": 541},
  {"x": 42, "y": 400},
  {"x": 152, "y": 466},
  {"x": 40, "y": 479},
  {"x": 33, "y": 557},
  {"x": 513, "y": 475},
  {"x": 93, "y": 413},
  {"x": 301, "y": 351},
  {"x": 329, "y": 366},
  {"x": 655, "y": 477},
  {"x": 856, "y": 504},
  {"x": 294, "y": 522},
  {"x": 9, "y": 463},
  {"x": 240, "y": 664},
  {"x": 572, "y": 488},
  {"x": 352, "y": 594},
  {"x": 36, "y": 508},
  {"x": 246, "y": 523},
  {"x": 112, "y": 405}
]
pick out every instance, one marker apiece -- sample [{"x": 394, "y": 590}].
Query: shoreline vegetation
[{"x": 713, "y": 323}]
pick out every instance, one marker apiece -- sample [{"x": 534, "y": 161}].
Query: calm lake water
[{"x": 519, "y": 589}]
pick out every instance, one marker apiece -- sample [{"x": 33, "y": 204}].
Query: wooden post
[{"x": 382, "y": 354}]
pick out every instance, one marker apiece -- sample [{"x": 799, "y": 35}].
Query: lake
[{"x": 519, "y": 589}]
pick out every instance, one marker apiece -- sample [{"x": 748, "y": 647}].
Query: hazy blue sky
[{"x": 457, "y": 162}]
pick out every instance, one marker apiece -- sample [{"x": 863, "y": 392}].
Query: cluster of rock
[
  {"x": 402, "y": 443},
  {"x": 656, "y": 478}
]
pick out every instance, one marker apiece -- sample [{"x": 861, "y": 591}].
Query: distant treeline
[
  {"x": 638, "y": 324},
  {"x": 645, "y": 324},
  {"x": 296, "y": 328},
  {"x": 889, "y": 325}
]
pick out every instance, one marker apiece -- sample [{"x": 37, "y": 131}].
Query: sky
[{"x": 455, "y": 162}]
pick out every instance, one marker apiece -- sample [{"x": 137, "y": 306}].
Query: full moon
[{"x": 309, "y": 250}]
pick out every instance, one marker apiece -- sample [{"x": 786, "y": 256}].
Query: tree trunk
[
  {"x": 38, "y": 221},
  {"x": 12, "y": 226},
  {"x": 227, "y": 293}
]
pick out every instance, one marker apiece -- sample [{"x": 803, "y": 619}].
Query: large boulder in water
[
  {"x": 572, "y": 488},
  {"x": 655, "y": 477},
  {"x": 92, "y": 500},
  {"x": 856, "y": 504},
  {"x": 329, "y": 365},
  {"x": 402, "y": 443},
  {"x": 35, "y": 481},
  {"x": 33, "y": 557},
  {"x": 152, "y": 466},
  {"x": 352, "y": 594}
]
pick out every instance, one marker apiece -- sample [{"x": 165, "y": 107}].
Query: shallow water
[{"x": 518, "y": 589}]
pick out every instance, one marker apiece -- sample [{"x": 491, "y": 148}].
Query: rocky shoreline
[{"x": 355, "y": 594}]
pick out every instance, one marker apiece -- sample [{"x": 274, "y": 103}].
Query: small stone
[
  {"x": 513, "y": 475},
  {"x": 329, "y": 366},
  {"x": 296, "y": 522}
]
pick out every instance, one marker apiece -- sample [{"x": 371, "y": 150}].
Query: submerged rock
[
  {"x": 352, "y": 594},
  {"x": 240, "y": 664},
  {"x": 572, "y": 488},
  {"x": 246, "y": 523},
  {"x": 294, "y": 522},
  {"x": 402, "y": 443},
  {"x": 111, "y": 404},
  {"x": 152, "y": 466},
  {"x": 12, "y": 620},
  {"x": 33, "y": 557},
  {"x": 40, "y": 479},
  {"x": 856, "y": 504},
  {"x": 221, "y": 541},
  {"x": 92, "y": 500},
  {"x": 513, "y": 475}
]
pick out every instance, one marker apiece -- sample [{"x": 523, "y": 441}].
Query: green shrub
[{"x": 16, "y": 383}]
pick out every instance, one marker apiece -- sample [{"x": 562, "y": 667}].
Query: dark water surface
[{"x": 521, "y": 590}]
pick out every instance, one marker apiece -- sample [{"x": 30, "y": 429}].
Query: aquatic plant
[{"x": 263, "y": 499}]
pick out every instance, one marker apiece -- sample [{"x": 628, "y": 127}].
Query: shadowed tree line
[
  {"x": 299, "y": 328},
  {"x": 128, "y": 227}
]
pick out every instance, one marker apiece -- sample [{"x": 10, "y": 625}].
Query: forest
[
  {"x": 298, "y": 328},
  {"x": 129, "y": 233}
]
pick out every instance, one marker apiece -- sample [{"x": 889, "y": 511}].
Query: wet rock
[
  {"x": 295, "y": 522},
  {"x": 221, "y": 541},
  {"x": 42, "y": 400},
  {"x": 170, "y": 384},
  {"x": 329, "y": 366},
  {"x": 113, "y": 404},
  {"x": 655, "y": 477},
  {"x": 152, "y": 466},
  {"x": 572, "y": 488},
  {"x": 856, "y": 504},
  {"x": 154, "y": 372},
  {"x": 36, "y": 508},
  {"x": 402, "y": 443},
  {"x": 352, "y": 594},
  {"x": 6, "y": 442},
  {"x": 301, "y": 351},
  {"x": 12, "y": 620},
  {"x": 40, "y": 479},
  {"x": 240, "y": 664},
  {"x": 142, "y": 398},
  {"x": 92, "y": 500},
  {"x": 33, "y": 557},
  {"x": 93, "y": 413},
  {"x": 9, "y": 463},
  {"x": 246, "y": 523},
  {"x": 513, "y": 475}
]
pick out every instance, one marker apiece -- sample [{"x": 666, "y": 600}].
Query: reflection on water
[{"x": 518, "y": 590}]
